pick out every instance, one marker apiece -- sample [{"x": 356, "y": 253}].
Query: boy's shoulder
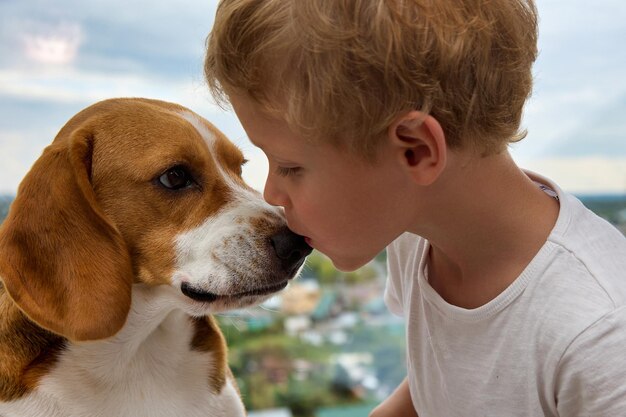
[
  {"x": 580, "y": 282},
  {"x": 590, "y": 250}
]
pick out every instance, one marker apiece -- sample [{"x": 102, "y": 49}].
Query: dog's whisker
[
  {"x": 233, "y": 320},
  {"x": 269, "y": 309}
]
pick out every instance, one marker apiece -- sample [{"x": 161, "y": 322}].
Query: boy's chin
[{"x": 349, "y": 265}]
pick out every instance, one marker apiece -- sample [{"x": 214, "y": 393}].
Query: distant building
[
  {"x": 295, "y": 325},
  {"x": 327, "y": 307},
  {"x": 358, "y": 365},
  {"x": 300, "y": 298}
]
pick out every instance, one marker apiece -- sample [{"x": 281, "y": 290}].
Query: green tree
[{"x": 321, "y": 267}]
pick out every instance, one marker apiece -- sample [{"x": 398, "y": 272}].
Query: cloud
[
  {"x": 255, "y": 171},
  {"x": 57, "y": 45},
  {"x": 69, "y": 85},
  {"x": 579, "y": 74},
  {"x": 109, "y": 36},
  {"x": 583, "y": 175},
  {"x": 15, "y": 159},
  {"x": 56, "y": 58},
  {"x": 575, "y": 123},
  {"x": 597, "y": 134}
]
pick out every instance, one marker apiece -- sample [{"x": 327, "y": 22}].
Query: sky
[{"x": 58, "y": 57}]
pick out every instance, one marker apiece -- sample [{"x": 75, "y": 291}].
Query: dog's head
[{"x": 135, "y": 190}]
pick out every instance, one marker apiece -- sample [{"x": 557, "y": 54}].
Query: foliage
[
  {"x": 321, "y": 267},
  {"x": 263, "y": 363}
]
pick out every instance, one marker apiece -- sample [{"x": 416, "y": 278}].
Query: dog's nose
[{"x": 290, "y": 248}]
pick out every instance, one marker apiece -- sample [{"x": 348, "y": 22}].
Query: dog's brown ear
[{"x": 62, "y": 262}]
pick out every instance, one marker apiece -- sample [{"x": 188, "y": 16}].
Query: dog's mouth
[{"x": 209, "y": 297}]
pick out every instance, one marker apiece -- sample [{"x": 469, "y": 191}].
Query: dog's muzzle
[{"x": 290, "y": 250}]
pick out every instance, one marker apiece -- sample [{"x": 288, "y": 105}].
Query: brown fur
[
  {"x": 209, "y": 338},
  {"x": 27, "y": 350}
]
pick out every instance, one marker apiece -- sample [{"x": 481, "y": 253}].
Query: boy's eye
[{"x": 287, "y": 172}]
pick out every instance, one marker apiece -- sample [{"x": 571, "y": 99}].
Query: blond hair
[{"x": 343, "y": 70}]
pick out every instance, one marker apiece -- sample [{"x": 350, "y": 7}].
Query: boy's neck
[{"x": 488, "y": 221}]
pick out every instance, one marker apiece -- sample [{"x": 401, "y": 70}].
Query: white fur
[{"x": 242, "y": 193}]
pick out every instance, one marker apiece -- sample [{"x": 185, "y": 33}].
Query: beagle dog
[{"x": 128, "y": 233}]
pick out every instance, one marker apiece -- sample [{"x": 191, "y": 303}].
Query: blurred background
[{"x": 327, "y": 346}]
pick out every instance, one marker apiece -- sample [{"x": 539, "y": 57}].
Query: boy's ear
[{"x": 420, "y": 146}]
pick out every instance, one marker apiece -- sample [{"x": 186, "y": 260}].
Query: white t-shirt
[{"x": 552, "y": 344}]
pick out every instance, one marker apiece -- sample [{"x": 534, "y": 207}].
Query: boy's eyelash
[{"x": 286, "y": 172}]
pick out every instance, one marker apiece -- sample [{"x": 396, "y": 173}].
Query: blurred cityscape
[{"x": 327, "y": 346}]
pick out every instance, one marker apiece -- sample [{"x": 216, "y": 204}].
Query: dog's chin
[{"x": 200, "y": 302}]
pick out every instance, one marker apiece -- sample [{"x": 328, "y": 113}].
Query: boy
[{"x": 387, "y": 123}]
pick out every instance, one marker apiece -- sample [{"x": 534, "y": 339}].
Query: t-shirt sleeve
[
  {"x": 591, "y": 380},
  {"x": 394, "y": 281}
]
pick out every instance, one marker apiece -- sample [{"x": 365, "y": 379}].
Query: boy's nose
[{"x": 273, "y": 195}]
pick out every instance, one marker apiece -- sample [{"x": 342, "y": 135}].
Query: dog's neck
[{"x": 153, "y": 324}]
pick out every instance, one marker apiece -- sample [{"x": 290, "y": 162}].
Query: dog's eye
[{"x": 176, "y": 178}]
